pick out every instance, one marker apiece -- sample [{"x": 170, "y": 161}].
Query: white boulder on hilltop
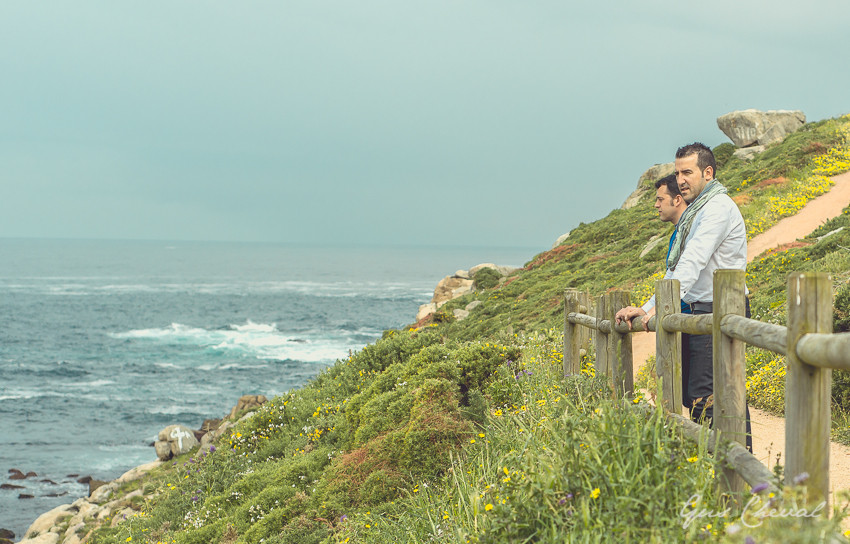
[{"x": 750, "y": 127}]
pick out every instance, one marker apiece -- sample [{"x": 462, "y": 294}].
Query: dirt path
[{"x": 769, "y": 430}]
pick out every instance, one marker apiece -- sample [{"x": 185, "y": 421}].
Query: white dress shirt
[{"x": 717, "y": 240}]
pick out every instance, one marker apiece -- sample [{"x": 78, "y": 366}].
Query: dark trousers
[{"x": 698, "y": 377}]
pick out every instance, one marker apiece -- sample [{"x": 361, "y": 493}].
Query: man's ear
[{"x": 708, "y": 173}]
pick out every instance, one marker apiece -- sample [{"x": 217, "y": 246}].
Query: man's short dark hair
[
  {"x": 705, "y": 157},
  {"x": 671, "y": 184}
]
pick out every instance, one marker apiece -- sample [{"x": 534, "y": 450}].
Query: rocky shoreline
[{"x": 113, "y": 502}]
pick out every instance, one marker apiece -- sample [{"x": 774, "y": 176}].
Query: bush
[
  {"x": 841, "y": 309},
  {"x": 722, "y": 154},
  {"x": 486, "y": 278}
]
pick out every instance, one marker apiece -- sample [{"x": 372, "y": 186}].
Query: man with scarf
[{"x": 710, "y": 235}]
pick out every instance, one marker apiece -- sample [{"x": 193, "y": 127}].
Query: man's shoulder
[{"x": 721, "y": 203}]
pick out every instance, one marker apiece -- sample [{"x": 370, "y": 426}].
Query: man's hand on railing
[{"x": 628, "y": 313}]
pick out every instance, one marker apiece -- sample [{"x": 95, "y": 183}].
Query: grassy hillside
[{"x": 467, "y": 431}]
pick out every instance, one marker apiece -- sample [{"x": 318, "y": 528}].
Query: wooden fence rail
[{"x": 811, "y": 351}]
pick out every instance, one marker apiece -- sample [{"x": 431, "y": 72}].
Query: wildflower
[
  {"x": 760, "y": 487},
  {"x": 800, "y": 478},
  {"x": 595, "y": 493},
  {"x": 488, "y": 507}
]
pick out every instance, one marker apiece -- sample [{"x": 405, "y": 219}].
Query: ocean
[{"x": 104, "y": 343}]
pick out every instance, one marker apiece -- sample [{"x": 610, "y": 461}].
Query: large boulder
[
  {"x": 503, "y": 270},
  {"x": 247, "y": 402},
  {"x": 138, "y": 472},
  {"x": 45, "y": 538},
  {"x": 48, "y": 520},
  {"x": 425, "y": 310},
  {"x": 179, "y": 439},
  {"x": 561, "y": 239},
  {"x": 751, "y": 127},
  {"x": 450, "y": 287},
  {"x": 646, "y": 181},
  {"x": 748, "y": 153}
]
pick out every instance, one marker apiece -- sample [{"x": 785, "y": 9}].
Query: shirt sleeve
[{"x": 710, "y": 227}]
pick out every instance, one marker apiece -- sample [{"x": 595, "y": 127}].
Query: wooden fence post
[
  {"x": 585, "y": 335},
  {"x": 807, "y": 388},
  {"x": 730, "y": 394},
  {"x": 620, "y": 345},
  {"x": 668, "y": 346},
  {"x": 572, "y": 357},
  {"x": 603, "y": 355}
]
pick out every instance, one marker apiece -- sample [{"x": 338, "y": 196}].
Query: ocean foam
[{"x": 258, "y": 340}]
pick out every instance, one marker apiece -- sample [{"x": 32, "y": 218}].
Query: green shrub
[
  {"x": 486, "y": 278},
  {"x": 841, "y": 309},
  {"x": 722, "y": 154}
]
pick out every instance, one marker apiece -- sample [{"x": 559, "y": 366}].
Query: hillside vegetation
[{"x": 467, "y": 431}]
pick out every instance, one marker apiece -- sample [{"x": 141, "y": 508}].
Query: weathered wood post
[
  {"x": 730, "y": 393},
  {"x": 572, "y": 357},
  {"x": 603, "y": 354},
  {"x": 620, "y": 347},
  {"x": 807, "y": 387},
  {"x": 585, "y": 334},
  {"x": 668, "y": 345}
]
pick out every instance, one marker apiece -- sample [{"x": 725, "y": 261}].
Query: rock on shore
[
  {"x": 458, "y": 284},
  {"x": 72, "y": 523}
]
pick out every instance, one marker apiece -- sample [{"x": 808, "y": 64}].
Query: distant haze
[{"x": 485, "y": 123}]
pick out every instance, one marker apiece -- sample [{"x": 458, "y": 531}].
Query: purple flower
[
  {"x": 195, "y": 498},
  {"x": 750, "y": 540},
  {"x": 760, "y": 487},
  {"x": 569, "y": 495},
  {"x": 562, "y": 502},
  {"x": 800, "y": 478},
  {"x": 212, "y": 449},
  {"x": 343, "y": 518}
]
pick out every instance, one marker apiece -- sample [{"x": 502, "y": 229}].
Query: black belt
[{"x": 700, "y": 306}]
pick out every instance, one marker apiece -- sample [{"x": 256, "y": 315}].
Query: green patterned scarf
[{"x": 711, "y": 190}]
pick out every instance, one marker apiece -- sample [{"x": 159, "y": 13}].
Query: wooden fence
[{"x": 807, "y": 341}]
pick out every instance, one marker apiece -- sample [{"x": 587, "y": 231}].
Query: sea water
[{"x": 104, "y": 343}]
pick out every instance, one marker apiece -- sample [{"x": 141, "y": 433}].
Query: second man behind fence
[{"x": 710, "y": 235}]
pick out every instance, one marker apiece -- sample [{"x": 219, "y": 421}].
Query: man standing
[{"x": 710, "y": 235}]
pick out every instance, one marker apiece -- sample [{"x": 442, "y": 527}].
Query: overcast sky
[{"x": 463, "y": 123}]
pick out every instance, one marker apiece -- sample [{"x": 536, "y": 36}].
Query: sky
[{"x": 439, "y": 123}]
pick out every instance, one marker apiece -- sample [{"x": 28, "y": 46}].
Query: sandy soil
[{"x": 769, "y": 430}]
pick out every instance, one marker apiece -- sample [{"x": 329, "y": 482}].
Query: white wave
[
  {"x": 260, "y": 340},
  {"x": 250, "y": 326},
  {"x": 168, "y": 410},
  {"x": 95, "y": 383}
]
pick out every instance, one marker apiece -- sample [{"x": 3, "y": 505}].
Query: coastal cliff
[{"x": 466, "y": 429}]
